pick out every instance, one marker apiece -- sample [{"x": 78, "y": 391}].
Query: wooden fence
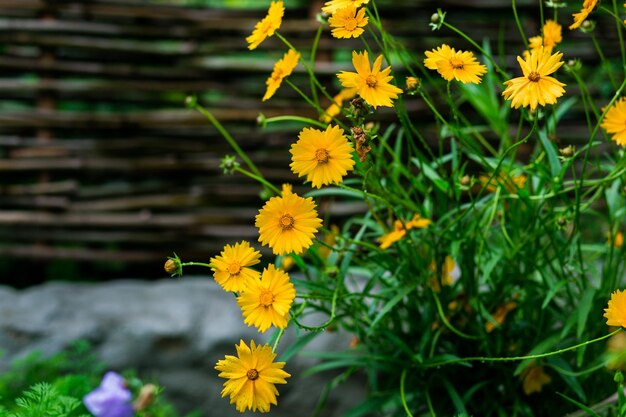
[{"x": 102, "y": 164}]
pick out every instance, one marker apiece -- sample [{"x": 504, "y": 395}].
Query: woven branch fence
[{"x": 104, "y": 172}]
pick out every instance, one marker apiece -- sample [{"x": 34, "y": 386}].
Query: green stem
[
  {"x": 619, "y": 25},
  {"x": 402, "y": 395},
  {"x": 316, "y": 41},
  {"x": 232, "y": 142},
  {"x": 520, "y": 358},
  {"x": 196, "y": 264},
  {"x": 280, "y": 336},
  {"x": 445, "y": 321},
  {"x": 605, "y": 63},
  {"x": 327, "y": 322},
  {"x": 519, "y": 24},
  {"x": 296, "y": 119},
  {"x": 258, "y": 179}
]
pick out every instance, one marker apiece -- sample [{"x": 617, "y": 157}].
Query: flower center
[
  {"x": 286, "y": 222},
  {"x": 266, "y": 299},
  {"x": 252, "y": 374},
  {"x": 322, "y": 156},
  {"x": 350, "y": 24},
  {"x": 534, "y": 76},
  {"x": 456, "y": 63},
  {"x": 234, "y": 268},
  {"x": 371, "y": 81}
]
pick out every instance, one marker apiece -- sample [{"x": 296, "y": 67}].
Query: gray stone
[{"x": 172, "y": 330}]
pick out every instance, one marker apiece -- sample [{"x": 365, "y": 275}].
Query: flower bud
[
  {"x": 146, "y": 397},
  {"x": 567, "y": 152},
  {"x": 412, "y": 85},
  {"x": 173, "y": 266},
  {"x": 191, "y": 102}
]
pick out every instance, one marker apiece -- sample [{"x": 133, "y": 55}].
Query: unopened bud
[
  {"x": 465, "y": 180},
  {"x": 434, "y": 18},
  {"x": 173, "y": 266},
  {"x": 618, "y": 377},
  {"x": 561, "y": 221},
  {"x": 412, "y": 84},
  {"x": 147, "y": 394},
  {"x": 567, "y": 152},
  {"x": 191, "y": 102},
  {"x": 332, "y": 271}
]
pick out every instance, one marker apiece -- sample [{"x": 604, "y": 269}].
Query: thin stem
[
  {"x": 232, "y": 142},
  {"x": 295, "y": 119},
  {"x": 519, "y": 24},
  {"x": 619, "y": 23},
  {"x": 316, "y": 41},
  {"x": 605, "y": 63},
  {"x": 402, "y": 395},
  {"x": 280, "y": 336},
  {"x": 520, "y": 358},
  {"x": 196, "y": 264},
  {"x": 258, "y": 179},
  {"x": 445, "y": 321}
]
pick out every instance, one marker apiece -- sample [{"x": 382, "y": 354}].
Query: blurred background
[{"x": 103, "y": 170}]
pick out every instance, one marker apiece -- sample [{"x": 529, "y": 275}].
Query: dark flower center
[
  {"x": 322, "y": 156},
  {"x": 371, "y": 81},
  {"x": 350, "y": 24},
  {"x": 456, "y": 63},
  {"x": 252, "y": 374},
  {"x": 534, "y": 76},
  {"x": 286, "y": 222},
  {"x": 234, "y": 268},
  {"x": 266, "y": 299}
]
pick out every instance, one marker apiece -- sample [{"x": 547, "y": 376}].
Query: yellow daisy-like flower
[
  {"x": 268, "y": 25},
  {"x": 450, "y": 272},
  {"x": 282, "y": 69},
  {"x": 614, "y": 121},
  {"x": 535, "y": 87},
  {"x": 580, "y": 17},
  {"x": 288, "y": 223},
  {"x": 552, "y": 34},
  {"x": 324, "y": 157},
  {"x": 348, "y": 22},
  {"x": 252, "y": 376},
  {"x": 371, "y": 84},
  {"x": 616, "y": 311},
  {"x": 230, "y": 269},
  {"x": 399, "y": 230},
  {"x": 266, "y": 302},
  {"x": 534, "y": 378},
  {"x": 511, "y": 184},
  {"x": 332, "y": 6},
  {"x": 451, "y": 64},
  {"x": 335, "y": 108}
]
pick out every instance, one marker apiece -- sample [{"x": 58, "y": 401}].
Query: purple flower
[{"x": 111, "y": 398}]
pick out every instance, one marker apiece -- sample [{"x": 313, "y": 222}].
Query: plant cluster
[{"x": 474, "y": 277}]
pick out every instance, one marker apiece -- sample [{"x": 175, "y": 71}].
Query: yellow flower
[
  {"x": 534, "y": 378},
  {"x": 288, "y": 223},
  {"x": 500, "y": 315},
  {"x": 450, "y": 272},
  {"x": 332, "y": 6},
  {"x": 584, "y": 13},
  {"x": 348, "y": 22},
  {"x": 324, "y": 157},
  {"x": 372, "y": 84},
  {"x": 616, "y": 310},
  {"x": 230, "y": 269},
  {"x": 399, "y": 230},
  {"x": 268, "y": 25},
  {"x": 335, "y": 108},
  {"x": 266, "y": 302},
  {"x": 551, "y": 37},
  {"x": 252, "y": 376},
  {"x": 616, "y": 352},
  {"x": 282, "y": 69},
  {"x": 451, "y": 64},
  {"x": 618, "y": 242},
  {"x": 511, "y": 184},
  {"x": 535, "y": 87},
  {"x": 615, "y": 121}
]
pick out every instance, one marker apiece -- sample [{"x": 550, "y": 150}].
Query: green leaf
[
  {"x": 586, "y": 302},
  {"x": 391, "y": 304},
  {"x": 297, "y": 346},
  {"x": 580, "y": 405},
  {"x": 550, "y": 149}
]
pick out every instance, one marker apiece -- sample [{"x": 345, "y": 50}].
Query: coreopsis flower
[
  {"x": 348, "y": 22},
  {"x": 500, "y": 315},
  {"x": 251, "y": 377},
  {"x": 400, "y": 229},
  {"x": 579, "y": 18},
  {"x": 451, "y": 64},
  {"x": 111, "y": 399},
  {"x": 266, "y": 302},
  {"x": 288, "y": 223},
  {"x": 511, "y": 184},
  {"x": 551, "y": 36},
  {"x": 371, "y": 84},
  {"x": 335, "y": 108},
  {"x": 614, "y": 121},
  {"x": 268, "y": 25},
  {"x": 282, "y": 69},
  {"x": 534, "y": 378},
  {"x": 332, "y": 6},
  {"x": 616, "y": 310},
  {"x": 616, "y": 352},
  {"x": 231, "y": 269},
  {"x": 449, "y": 273},
  {"x": 536, "y": 87},
  {"x": 325, "y": 157},
  {"x": 618, "y": 240}
]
